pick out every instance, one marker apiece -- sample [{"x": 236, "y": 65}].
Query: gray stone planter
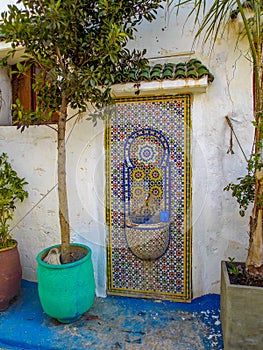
[{"x": 241, "y": 314}]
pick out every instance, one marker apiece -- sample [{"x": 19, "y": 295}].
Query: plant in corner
[
  {"x": 241, "y": 306},
  {"x": 11, "y": 191},
  {"x": 79, "y": 48}
]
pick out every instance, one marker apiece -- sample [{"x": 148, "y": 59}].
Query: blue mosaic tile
[{"x": 149, "y": 214}]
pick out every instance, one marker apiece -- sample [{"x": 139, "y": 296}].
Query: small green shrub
[{"x": 11, "y": 190}]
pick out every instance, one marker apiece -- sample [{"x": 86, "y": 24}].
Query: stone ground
[{"x": 114, "y": 323}]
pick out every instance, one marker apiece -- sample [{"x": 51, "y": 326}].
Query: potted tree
[
  {"x": 79, "y": 49},
  {"x": 11, "y": 191},
  {"x": 241, "y": 305}
]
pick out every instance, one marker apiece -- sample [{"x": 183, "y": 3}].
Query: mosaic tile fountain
[{"x": 149, "y": 198}]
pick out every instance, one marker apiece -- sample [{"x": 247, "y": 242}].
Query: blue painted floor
[{"x": 114, "y": 323}]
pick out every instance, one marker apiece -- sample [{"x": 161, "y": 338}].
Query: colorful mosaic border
[{"x": 168, "y": 276}]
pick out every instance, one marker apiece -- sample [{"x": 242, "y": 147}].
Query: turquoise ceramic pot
[{"x": 66, "y": 291}]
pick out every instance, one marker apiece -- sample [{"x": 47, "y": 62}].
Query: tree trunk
[
  {"x": 62, "y": 184},
  {"x": 254, "y": 263}
]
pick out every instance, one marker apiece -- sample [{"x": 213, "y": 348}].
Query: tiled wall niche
[{"x": 148, "y": 147}]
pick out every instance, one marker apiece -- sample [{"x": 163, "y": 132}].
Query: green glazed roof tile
[
  {"x": 180, "y": 74},
  {"x": 180, "y": 64},
  {"x": 169, "y": 66},
  {"x": 145, "y": 74},
  {"x": 193, "y": 69},
  {"x": 167, "y": 74},
  {"x": 191, "y": 73},
  {"x": 158, "y": 66}
]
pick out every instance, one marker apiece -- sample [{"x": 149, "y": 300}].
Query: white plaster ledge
[
  {"x": 160, "y": 88},
  {"x": 6, "y": 47}
]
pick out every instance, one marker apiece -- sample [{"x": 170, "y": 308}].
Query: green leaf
[{"x": 11, "y": 190}]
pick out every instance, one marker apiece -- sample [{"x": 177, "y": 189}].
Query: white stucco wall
[
  {"x": 218, "y": 230},
  {"x": 36, "y": 226},
  {"x": 5, "y": 97}
]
